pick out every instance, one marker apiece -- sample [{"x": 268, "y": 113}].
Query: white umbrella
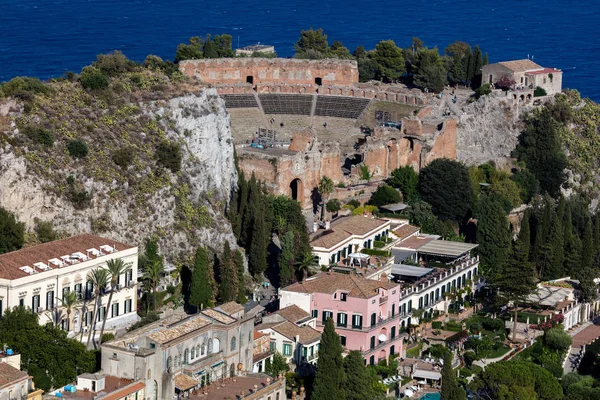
[{"x": 408, "y": 393}]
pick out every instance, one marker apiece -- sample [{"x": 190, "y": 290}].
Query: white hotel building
[{"x": 38, "y": 277}]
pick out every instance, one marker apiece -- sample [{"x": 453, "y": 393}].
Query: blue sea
[{"x": 46, "y": 38}]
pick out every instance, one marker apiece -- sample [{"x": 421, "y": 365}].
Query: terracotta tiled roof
[
  {"x": 520, "y": 65},
  {"x": 266, "y": 325},
  {"x": 184, "y": 382},
  {"x": 544, "y": 71},
  {"x": 293, "y": 313},
  {"x": 166, "y": 335},
  {"x": 122, "y": 393},
  {"x": 406, "y": 230},
  {"x": 11, "y": 262},
  {"x": 330, "y": 282},
  {"x": 415, "y": 242},
  {"x": 231, "y": 308},
  {"x": 306, "y": 334},
  {"x": 218, "y": 316},
  {"x": 258, "y": 335},
  {"x": 341, "y": 229},
  {"x": 9, "y": 374}
]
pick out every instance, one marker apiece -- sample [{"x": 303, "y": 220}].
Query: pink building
[{"x": 365, "y": 312}]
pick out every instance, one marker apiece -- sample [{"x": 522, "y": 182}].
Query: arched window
[
  {"x": 216, "y": 345},
  {"x": 186, "y": 356},
  {"x": 210, "y": 346},
  {"x": 233, "y": 343},
  {"x": 193, "y": 352},
  {"x": 198, "y": 351},
  {"x": 169, "y": 364}
]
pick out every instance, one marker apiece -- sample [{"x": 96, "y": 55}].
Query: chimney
[
  {"x": 315, "y": 226},
  {"x": 327, "y": 224},
  {"x": 297, "y": 338}
]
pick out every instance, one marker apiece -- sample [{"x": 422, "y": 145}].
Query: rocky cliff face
[{"x": 181, "y": 210}]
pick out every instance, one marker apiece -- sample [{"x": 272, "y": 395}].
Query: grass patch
[{"x": 414, "y": 351}]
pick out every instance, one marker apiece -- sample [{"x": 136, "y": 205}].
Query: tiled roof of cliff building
[
  {"x": 306, "y": 334},
  {"x": 343, "y": 228},
  {"x": 331, "y": 282},
  {"x": 405, "y": 231},
  {"x": 56, "y": 254},
  {"x": 9, "y": 374},
  {"x": 520, "y": 65},
  {"x": 293, "y": 313}
]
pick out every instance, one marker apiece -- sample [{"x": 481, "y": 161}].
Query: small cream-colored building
[
  {"x": 16, "y": 384},
  {"x": 526, "y": 74},
  {"x": 38, "y": 277}
]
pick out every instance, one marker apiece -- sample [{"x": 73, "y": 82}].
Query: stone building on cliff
[{"x": 526, "y": 74}]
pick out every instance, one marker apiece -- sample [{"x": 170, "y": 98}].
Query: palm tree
[
  {"x": 116, "y": 267},
  {"x": 99, "y": 279},
  {"x": 70, "y": 302},
  {"x": 153, "y": 273},
  {"x": 325, "y": 188},
  {"x": 306, "y": 262}
]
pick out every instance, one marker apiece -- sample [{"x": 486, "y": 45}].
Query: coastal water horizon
[{"x": 47, "y": 39}]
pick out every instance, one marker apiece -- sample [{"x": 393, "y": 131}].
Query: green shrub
[
  {"x": 123, "y": 157},
  {"x": 379, "y": 244},
  {"x": 483, "y": 90},
  {"x": 148, "y": 319},
  {"x": 539, "y": 92},
  {"x": 23, "y": 88},
  {"x": 77, "y": 148},
  {"x": 39, "y": 135},
  {"x": 373, "y": 252},
  {"x": 92, "y": 78},
  {"x": 558, "y": 339},
  {"x": 365, "y": 173},
  {"x": 354, "y": 203},
  {"x": 80, "y": 199},
  {"x": 44, "y": 231},
  {"x": 436, "y": 324},
  {"x": 107, "y": 337},
  {"x": 453, "y": 326},
  {"x": 333, "y": 205},
  {"x": 385, "y": 195},
  {"x": 113, "y": 64},
  {"x": 169, "y": 155}
]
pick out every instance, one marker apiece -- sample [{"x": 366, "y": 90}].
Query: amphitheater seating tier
[
  {"x": 296, "y": 104},
  {"x": 342, "y": 107},
  {"x": 240, "y": 100}
]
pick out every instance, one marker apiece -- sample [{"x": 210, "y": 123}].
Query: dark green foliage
[
  {"x": 517, "y": 380},
  {"x": 493, "y": 234},
  {"x": 330, "y": 380},
  {"x": 106, "y": 337},
  {"x": 150, "y": 254},
  {"x": 557, "y": 339},
  {"x": 360, "y": 52},
  {"x": 580, "y": 387},
  {"x": 539, "y": 92},
  {"x": 333, "y": 205},
  {"x": 429, "y": 70},
  {"x": 528, "y": 183},
  {"x": 421, "y": 214},
  {"x": 384, "y": 195},
  {"x": 92, "y": 78},
  {"x": 44, "y": 231},
  {"x": 113, "y": 64},
  {"x": 38, "y": 135},
  {"x": 451, "y": 390},
  {"x": 190, "y": 51},
  {"x": 445, "y": 184},
  {"x": 228, "y": 285},
  {"x": 23, "y": 88},
  {"x": 407, "y": 180},
  {"x": 457, "y": 73},
  {"x": 339, "y": 51},
  {"x": 483, "y": 90},
  {"x": 260, "y": 231},
  {"x": 156, "y": 63},
  {"x": 12, "y": 232},
  {"x": 358, "y": 381},
  {"x": 201, "y": 293},
  {"x": 286, "y": 259},
  {"x": 238, "y": 260},
  {"x": 46, "y": 353},
  {"x": 169, "y": 155},
  {"x": 123, "y": 157},
  {"x": 367, "y": 69},
  {"x": 312, "y": 44},
  {"x": 390, "y": 63},
  {"x": 210, "y": 50},
  {"x": 148, "y": 319},
  {"x": 477, "y": 64},
  {"x": 354, "y": 203},
  {"x": 541, "y": 150},
  {"x": 223, "y": 45},
  {"x": 278, "y": 365},
  {"x": 77, "y": 148}
]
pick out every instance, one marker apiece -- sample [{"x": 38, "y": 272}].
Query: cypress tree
[
  {"x": 469, "y": 66},
  {"x": 201, "y": 289},
  {"x": 596, "y": 235},
  {"x": 257, "y": 256},
  {"x": 330, "y": 380},
  {"x": 238, "y": 260},
  {"x": 486, "y": 60},
  {"x": 450, "y": 388},
  {"x": 457, "y": 71},
  {"x": 358, "y": 380},
  {"x": 556, "y": 253},
  {"x": 228, "y": 288},
  {"x": 477, "y": 64},
  {"x": 493, "y": 234},
  {"x": 286, "y": 259},
  {"x": 587, "y": 246},
  {"x": 572, "y": 244}
]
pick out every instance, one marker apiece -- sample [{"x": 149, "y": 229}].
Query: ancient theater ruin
[{"x": 296, "y": 121}]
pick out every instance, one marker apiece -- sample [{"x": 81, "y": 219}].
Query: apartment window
[
  {"x": 437, "y": 294},
  {"x": 50, "y": 299},
  {"x": 393, "y": 333},
  {"x": 343, "y": 296},
  {"x": 357, "y": 321},
  {"x": 273, "y": 345},
  {"x": 89, "y": 289},
  {"x": 35, "y": 302},
  {"x": 21, "y": 302},
  {"x": 101, "y": 314},
  {"x": 65, "y": 291},
  {"x": 420, "y": 303},
  {"x": 373, "y": 319},
  {"x": 115, "y": 310},
  {"x": 327, "y": 314},
  {"x": 315, "y": 313},
  {"x": 287, "y": 349},
  {"x": 186, "y": 356},
  {"x": 372, "y": 342},
  {"x": 372, "y": 360},
  {"x": 343, "y": 340},
  {"x": 393, "y": 310},
  {"x": 342, "y": 319},
  {"x": 392, "y": 350},
  {"x": 233, "y": 344},
  {"x": 78, "y": 288},
  {"x": 128, "y": 304},
  {"x": 426, "y": 300}
]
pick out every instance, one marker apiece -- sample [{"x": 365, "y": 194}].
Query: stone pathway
[{"x": 582, "y": 336}]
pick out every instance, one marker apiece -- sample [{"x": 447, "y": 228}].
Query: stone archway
[{"x": 297, "y": 190}]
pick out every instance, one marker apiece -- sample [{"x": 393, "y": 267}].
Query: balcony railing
[{"x": 383, "y": 299}]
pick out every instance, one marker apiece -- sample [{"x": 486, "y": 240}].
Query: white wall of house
[{"x": 288, "y": 298}]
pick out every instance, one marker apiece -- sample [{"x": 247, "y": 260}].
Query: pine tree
[
  {"x": 457, "y": 71},
  {"x": 228, "y": 288},
  {"x": 493, "y": 234},
  {"x": 201, "y": 293},
  {"x": 358, "y": 380},
  {"x": 238, "y": 260},
  {"x": 210, "y": 50},
  {"x": 330, "y": 380},
  {"x": 450, "y": 387},
  {"x": 486, "y": 60}
]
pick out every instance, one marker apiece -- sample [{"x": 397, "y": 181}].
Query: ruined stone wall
[
  {"x": 272, "y": 70},
  {"x": 444, "y": 145}
]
